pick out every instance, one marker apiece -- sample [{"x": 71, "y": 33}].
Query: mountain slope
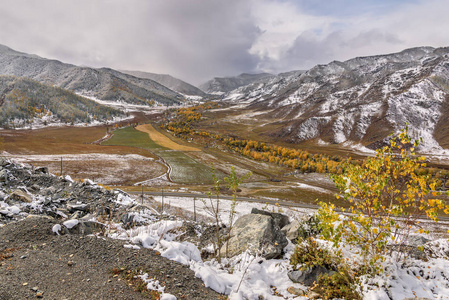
[
  {"x": 104, "y": 83},
  {"x": 221, "y": 85},
  {"x": 171, "y": 82},
  {"x": 24, "y": 102},
  {"x": 361, "y": 100}
]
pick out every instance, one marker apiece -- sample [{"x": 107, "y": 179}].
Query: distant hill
[
  {"x": 221, "y": 85},
  {"x": 103, "y": 83},
  {"x": 24, "y": 102},
  {"x": 171, "y": 82}
]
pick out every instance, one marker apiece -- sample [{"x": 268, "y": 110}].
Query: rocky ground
[{"x": 35, "y": 262}]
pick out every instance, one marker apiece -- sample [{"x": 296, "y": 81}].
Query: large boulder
[
  {"x": 291, "y": 230},
  {"x": 279, "y": 219},
  {"x": 257, "y": 233}
]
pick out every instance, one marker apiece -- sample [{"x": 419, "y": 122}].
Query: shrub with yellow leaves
[{"x": 387, "y": 196}]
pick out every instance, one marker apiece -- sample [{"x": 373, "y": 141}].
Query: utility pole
[
  {"x": 142, "y": 194},
  {"x": 162, "y": 207},
  {"x": 194, "y": 209}
]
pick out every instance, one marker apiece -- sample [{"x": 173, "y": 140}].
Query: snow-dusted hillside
[
  {"x": 104, "y": 83},
  {"x": 361, "y": 100},
  {"x": 221, "y": 85},
  {"x": 171, "y": 82}
]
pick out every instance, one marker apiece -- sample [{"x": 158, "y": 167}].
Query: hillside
[
  {"x": 26, "y": 102},
  {"x": 171, "y": 82},
  {"x": 361, "y": 100},
  {"x": 103, "y": 83},
  {"x": 221, "y": 85}
]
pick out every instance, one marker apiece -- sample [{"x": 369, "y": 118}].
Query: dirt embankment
[{"x": 34, "y": 262}]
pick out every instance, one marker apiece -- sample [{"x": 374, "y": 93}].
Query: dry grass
[{"x": 163, "y": 140}]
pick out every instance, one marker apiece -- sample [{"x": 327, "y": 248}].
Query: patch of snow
[
  {"x": 313, "y": 188},
  {"x": 68, "y": 178},
  {"x": 70, "y": 223},
  {"x": 56, "y": 229},
  {"x": 131, "y": 246}
]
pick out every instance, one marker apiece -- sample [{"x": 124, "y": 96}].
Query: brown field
[
  {"x": 75, "y": 141},
  {"x": 163, "y": 140},
  {"x": 61, "y": 140},
  {"x": 107, "y": 171}
]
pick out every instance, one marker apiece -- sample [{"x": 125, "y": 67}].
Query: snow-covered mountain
[
  {"x": 169, "y": 81},
  {"x": 103, "y": 83},
  {"x": 221, "y": 85},
  {"x": 361, "y": 100}
]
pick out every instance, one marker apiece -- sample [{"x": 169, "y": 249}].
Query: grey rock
[
  {"x": 313, "y": 295},
  {"x": 279, "y": 219},
  {"x": 77, "y": 215},
  {"x": 418, "y": 298},
  {"x": 291, "y": 230},
  {"x": 73, "y": 207},
  {"x": 417, "y": 240},
  {"x": 3, "y": 175},
  {"x": 257, "y": 233},
  {"x": 83, "y": 228},
  {"x": 308, "y": 277},
  {"x": 20, "y": 195},
  {"x": 41, "y": 170},
  {"x": 296, "y": 291}
]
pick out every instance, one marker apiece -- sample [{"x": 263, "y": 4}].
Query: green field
[
  {"x": 131, "y": 137},
  {"x": 184, "y": 169}
]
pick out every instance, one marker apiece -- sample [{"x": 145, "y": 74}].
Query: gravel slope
[{"x": 79, "y": 267}]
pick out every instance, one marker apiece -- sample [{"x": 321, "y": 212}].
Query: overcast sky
[{"x": 196, "y": 40}]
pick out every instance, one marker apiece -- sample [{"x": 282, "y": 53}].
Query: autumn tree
[{"x": 387, "y": 194}]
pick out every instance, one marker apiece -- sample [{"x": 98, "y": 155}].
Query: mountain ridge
[
  {"x": 169, "y": 81},
  {"x": 102, "y": 83},
  {"x": 361, "y": 100},
  {"x": 221, "y": 85}
]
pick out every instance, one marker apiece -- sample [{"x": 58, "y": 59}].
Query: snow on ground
[{"x": 248, "y": 276}]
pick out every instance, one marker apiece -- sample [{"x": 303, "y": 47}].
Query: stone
[
  {"x": 72, "y": 207},
  {"x": 41, "y": 170},
  {"x": 308, "y": 277},
  {"x": 296, "y": 291},
  {"x": 417, "y": 240},
  {"x": 35, "y": 188},
  {"x": 4, "y": 162},
  {"x": 20, "y": 195},
  {"x": 3, "y": 175},
  {"x": 279, "y": 219},
  {"x": 257, "y": 233},
  {"x": 291, "y": 230},
  {"x": 313, "y": 295},
  {"x": 417, "y": 298},
  {"x": 83, "y": 228}
]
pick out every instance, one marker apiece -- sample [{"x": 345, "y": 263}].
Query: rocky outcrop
[
  {"x": 25, "y": 191},
  {"x": 259, "y": 233}
]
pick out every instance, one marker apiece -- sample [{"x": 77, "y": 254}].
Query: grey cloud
[
  {"x": 194, "y": 40},
  {"x": 309, "y": 49},
  {"x": 199, "y": 39}
]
